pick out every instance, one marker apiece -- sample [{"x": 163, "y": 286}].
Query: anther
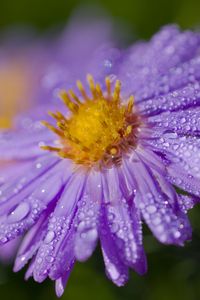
[
  {"x": 66, "y": 99},
  {"x": 117, "y": 89},
  {"x": 91, "y": 85},
  {"x": 50, "y": 127},
  {"x": 108, "y": 85},
  {"x": 130, "y": 104},
  {"x": 73, "y": 95},
  {"x": 81, "y": 89}
]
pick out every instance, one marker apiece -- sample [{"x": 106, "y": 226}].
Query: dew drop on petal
[
  {"x": 49, "y": 237},
  {"x": 19, "y": 213}
]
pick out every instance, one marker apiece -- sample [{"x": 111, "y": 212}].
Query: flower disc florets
[{"x": 100, "y": 128}]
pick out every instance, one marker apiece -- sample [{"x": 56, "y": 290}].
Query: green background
[
  {"x": 174, "y": 273},
  {"x": 141, "y": 16}
]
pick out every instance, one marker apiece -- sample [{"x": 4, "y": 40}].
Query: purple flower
[{"x": 111, "y": 160}]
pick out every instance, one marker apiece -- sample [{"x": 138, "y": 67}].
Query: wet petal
[
  {"x": 183, "y": 98},
  {"x": 145, "y": 68},
  {"x": 56, "y": 254},
  {"x": 27, "y": 212},
  {"x": 160, "y": 211},
  {"x": 115, "y": 268},
  {"x": 182, "y": 160},
  {"x": 31, "y": 242},
  {"x": 124, "y": 222},
  {"x": 61, "y": 283},
  {"x": 87, "y": 219},
  {"x": 13, "y": 191},
  {"x": 186, "y": 122}
]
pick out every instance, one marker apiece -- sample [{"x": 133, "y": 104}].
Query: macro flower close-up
[
  {"x": 107, "y": 160},
  {"x": 100, "y": 154}
]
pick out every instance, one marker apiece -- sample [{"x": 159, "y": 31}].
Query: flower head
[
  {"x": 112, "y": 160},
  {"x": 100, "y": 128}
]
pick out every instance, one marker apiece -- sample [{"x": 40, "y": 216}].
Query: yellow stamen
[
  {"x": 99, "y": 129},
  {"x": 108, "y": 85},
  {"x": 81, "y": 89},
  {"x": 50, "y": 148},
  {"x": 73, "y": 95},
  {"x": 116, "y": 95},
  {"x": 99, "y": 91},
  {"x": 92, "y": 85},
  {"x": 66, "y": 99},
  {"x": 130, "y": 104},
  {"x": 55, "y": 130}
]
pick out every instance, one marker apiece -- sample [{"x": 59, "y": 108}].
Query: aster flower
[
  {"x": 29, "y": 73},
  {"x": 112, "y": 160}
]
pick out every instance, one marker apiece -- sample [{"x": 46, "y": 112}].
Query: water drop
[{"x": 19, "y": 213}]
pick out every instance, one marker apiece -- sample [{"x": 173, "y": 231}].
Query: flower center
[{"x": 100, "y": 128}]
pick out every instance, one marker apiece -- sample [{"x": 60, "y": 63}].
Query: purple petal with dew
[
  {"x": 87, "y": 218},
  {"x": 145, "y": 67},
  {"x": 175, "y": 78},
  {"x": 29, "y": 272},
  {"x": 185, "y": 122},
  {"x": 116, "y": 270},
  {"x": 160, "y": 211},
  {"x": 180, "y": 178},
  {"x": 12, "y": 193},
  {"x": 180, "y": 99},
  {"x": 56, "y": 255},
  {"x": 124, "y": 223},
  {"x": 31, "y": 241},
  {"x": 27, "y": 212},
  {"x": 180, "y": 151},
  {"x": 187, "y": 202},
  {"x": 158, "y": 169},
  {"x": 183, "y": 98}
]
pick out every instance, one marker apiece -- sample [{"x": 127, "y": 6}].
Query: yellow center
[{"x": 99, "y": 128}]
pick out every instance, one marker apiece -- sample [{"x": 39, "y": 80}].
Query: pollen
[{"x": 100, "y": 128}]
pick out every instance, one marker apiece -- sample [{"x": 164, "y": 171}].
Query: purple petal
[
  {"x": 24, "y": 145},
  {"x": 56, "y": 254},
  {"x": 27, "y": 212},
  {"x": 12, "y": 192},
  {"x": 31, "y": 242},
  {"x": 187, "y": 202},
  {"x": 124, "y": 223},
  {"x": 160, "y": 211},
  {"x": 144, "y": 69},
  {"x": 61, "y": 283},
  {"x": 8, "y": 251},
  {"x": 115, "y": 268},
  {"x": 186, "y": 122},
  {"x": 11, "y": 170},
  {"x": 185, "y": 97},
  {"x": 87, "y": 219},
  {"x": 182, "y": 159},
  {"x": 180, "y": 178}
]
